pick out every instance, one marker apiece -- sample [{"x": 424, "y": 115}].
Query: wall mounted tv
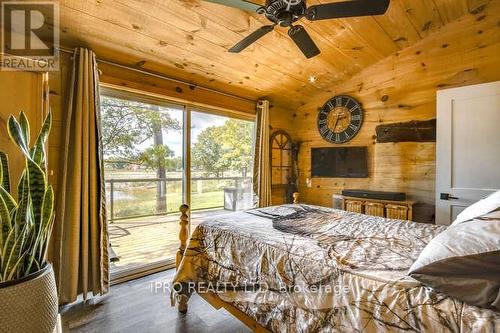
[{"x": 339, "y": 162}]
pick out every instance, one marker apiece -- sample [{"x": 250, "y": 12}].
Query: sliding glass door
[{"x": 158, "y": 155}]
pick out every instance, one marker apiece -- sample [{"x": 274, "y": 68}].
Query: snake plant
[{"x": 25, "y": 223}]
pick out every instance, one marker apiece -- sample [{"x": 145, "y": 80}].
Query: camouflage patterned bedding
[{"x": 301, "y": 268}]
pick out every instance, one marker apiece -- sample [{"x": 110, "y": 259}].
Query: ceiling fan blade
[
  {"x": 302, "y": 39},
  {"x": 254, "y": 36},
  {"x": 347, "y": 9},
  {"x": 241, "y": 4}
]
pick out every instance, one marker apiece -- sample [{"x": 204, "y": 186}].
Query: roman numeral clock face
[{"x": 340, "y": 119}]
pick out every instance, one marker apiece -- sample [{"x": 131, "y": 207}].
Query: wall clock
[{"x": 340, "y": 119}]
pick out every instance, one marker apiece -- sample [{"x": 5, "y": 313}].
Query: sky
[{"x": 199, "y": 121}]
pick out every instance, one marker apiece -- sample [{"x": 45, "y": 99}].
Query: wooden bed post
[
  {"x": 183, "y": 237},
  {"x": 296, "y": 197},
  {"x": 183, "y": 233}
]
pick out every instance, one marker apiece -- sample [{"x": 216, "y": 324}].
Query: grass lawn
[{"x": 142, "y": 201}]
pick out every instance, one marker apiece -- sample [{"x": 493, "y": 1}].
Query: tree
[
  {"x": 208, "y": 152},
  {"x": 238, "y": 137},
  {"x": 126, "y": 126},
  {"x": 158, "y": 156},
  {"x": 222, "y": 148}
]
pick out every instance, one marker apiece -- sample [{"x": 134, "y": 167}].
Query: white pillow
[{"x": 484, "y": 206}]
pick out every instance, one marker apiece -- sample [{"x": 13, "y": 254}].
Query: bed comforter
[{"x": 302, "y": 268}]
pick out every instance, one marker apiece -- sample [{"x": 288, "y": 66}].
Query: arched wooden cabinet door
[{"x": 283, "y": 178}]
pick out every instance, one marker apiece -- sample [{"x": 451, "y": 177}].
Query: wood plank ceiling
[{"x": 188, "y": 39}]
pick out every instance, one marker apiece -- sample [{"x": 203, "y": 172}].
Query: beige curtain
[
  {"x": 262, "y": 159},
  {"x": 80, "y": 239}
]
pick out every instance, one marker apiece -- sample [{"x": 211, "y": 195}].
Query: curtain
[
  {"x": 262, "y": 159},
  {"x": 80, "y": 238}
]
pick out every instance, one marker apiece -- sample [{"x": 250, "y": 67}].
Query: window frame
[{"x": 289, "y": 166}]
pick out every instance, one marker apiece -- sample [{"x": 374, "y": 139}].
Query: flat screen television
[{"x": 339, "y": 162}]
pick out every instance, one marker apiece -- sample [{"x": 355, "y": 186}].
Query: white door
[{"x": 468, "y": 147}]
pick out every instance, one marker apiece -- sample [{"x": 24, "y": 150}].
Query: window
[{"x": 281, "y": 158}]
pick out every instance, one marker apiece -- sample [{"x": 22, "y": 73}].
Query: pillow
[
  {"x": 464, "y": 262},
  {"x": 484, "y": 206},
  {"x": 494, "y": 215}
]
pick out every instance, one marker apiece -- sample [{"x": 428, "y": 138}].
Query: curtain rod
[{"x": 161, "y": 76}]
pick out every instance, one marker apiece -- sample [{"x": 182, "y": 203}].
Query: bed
[{"x": 303, "y": 268}]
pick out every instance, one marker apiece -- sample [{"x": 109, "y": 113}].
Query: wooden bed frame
[{"x": 212, "y": 298}]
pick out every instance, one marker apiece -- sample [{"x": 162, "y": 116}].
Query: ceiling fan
[{"x": 286, "y": 12}]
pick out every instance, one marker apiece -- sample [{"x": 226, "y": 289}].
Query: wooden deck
[{"x": 143, "y": 241}]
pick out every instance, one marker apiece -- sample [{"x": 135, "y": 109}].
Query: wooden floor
[
  {"x": 146, "y": 240},
  {"x": 133, "y": 307}
]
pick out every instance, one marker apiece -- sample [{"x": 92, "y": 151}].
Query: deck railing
[{"x": 143, "y": 197}]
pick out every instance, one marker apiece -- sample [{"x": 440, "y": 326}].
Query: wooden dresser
[{"x": 402, "y": 210}]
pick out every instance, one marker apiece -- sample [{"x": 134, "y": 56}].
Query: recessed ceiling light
[{"x": 312, "y": 78}]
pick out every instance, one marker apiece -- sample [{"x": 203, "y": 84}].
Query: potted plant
[{"x": 28, "y": 294}]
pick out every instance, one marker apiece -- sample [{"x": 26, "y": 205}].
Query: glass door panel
[
  {"x": 221, "y": 165},
  {"x": 143, "y": 149}
]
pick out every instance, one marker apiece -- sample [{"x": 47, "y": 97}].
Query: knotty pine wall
[
  {"x": 19, "y": 91},
  {"x": 58, "y": 94},
  {"x": 401, "y": 88}
]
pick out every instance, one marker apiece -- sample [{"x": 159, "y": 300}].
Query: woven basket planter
[{"x": 29, "y": 304}]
